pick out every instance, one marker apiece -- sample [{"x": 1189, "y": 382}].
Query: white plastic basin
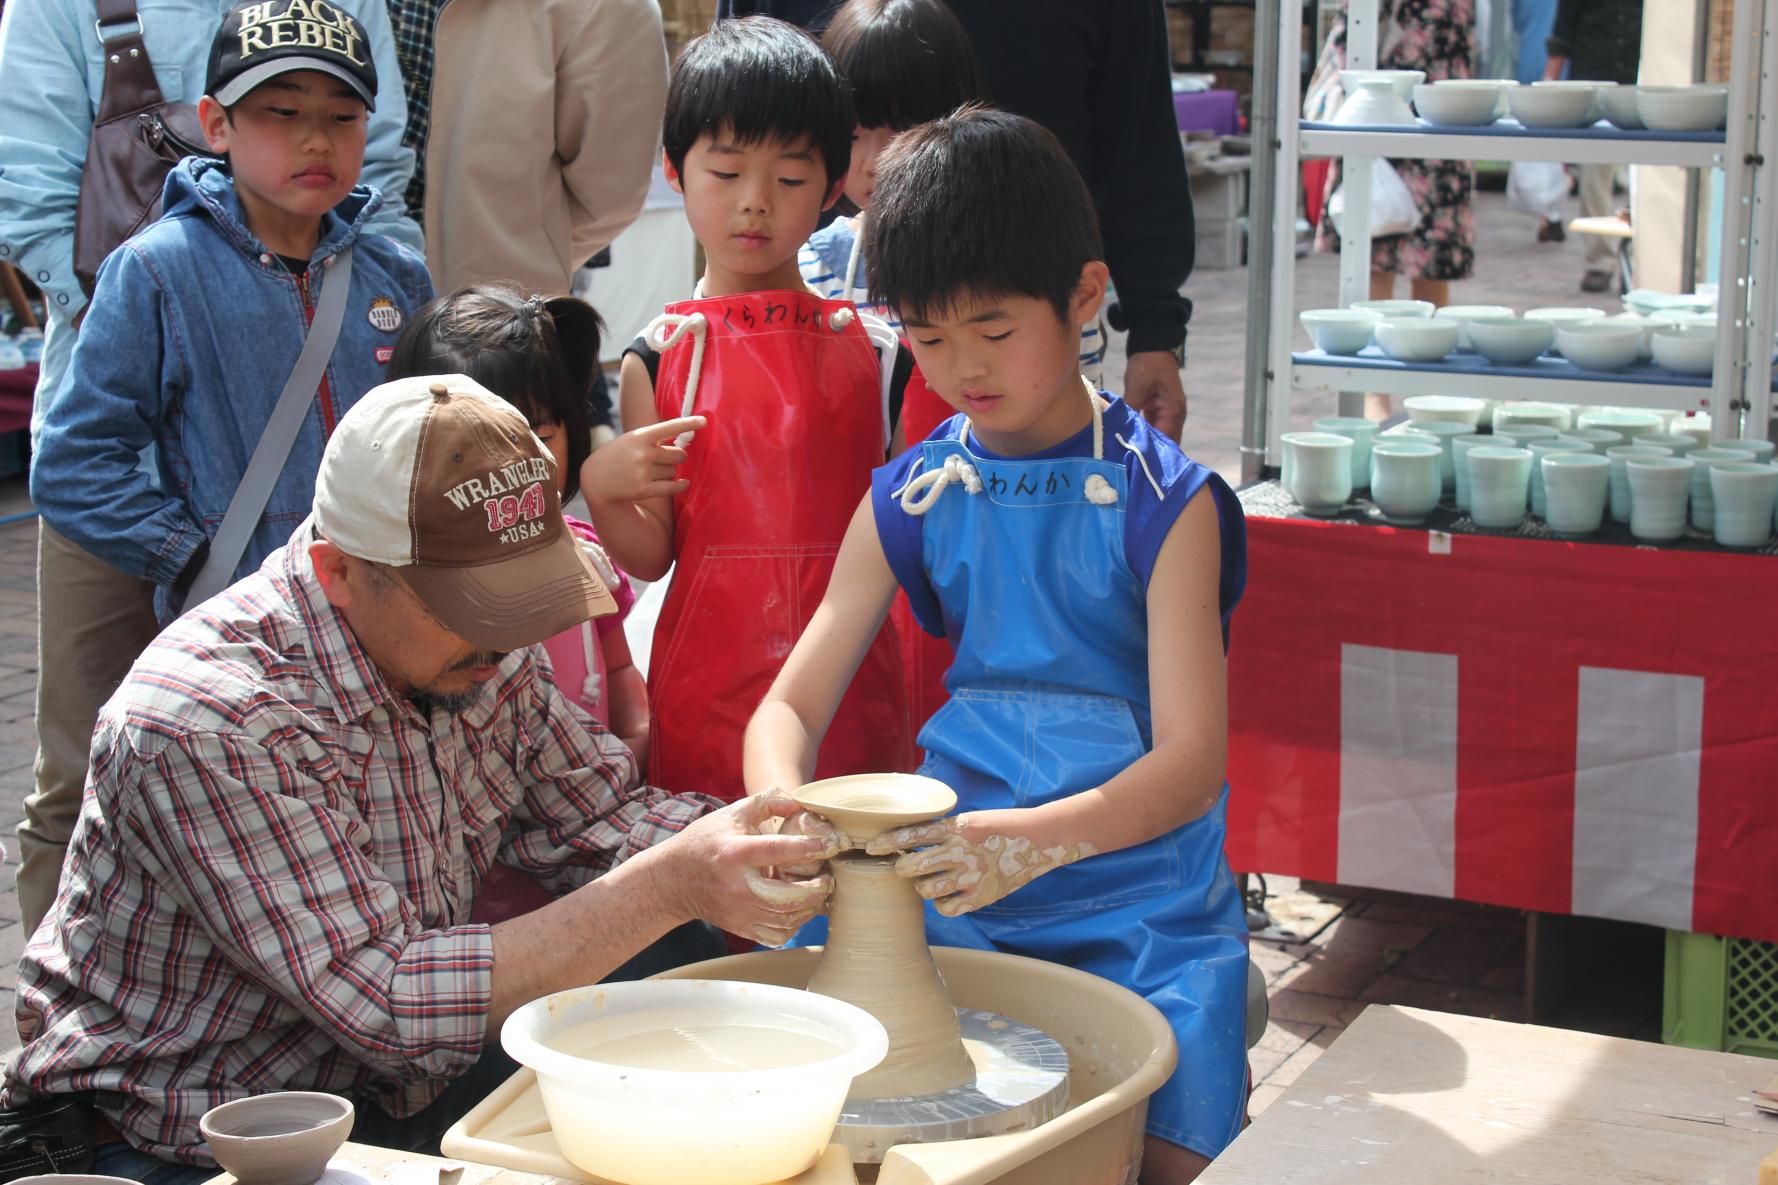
[{"x": 626, "y": 1120}]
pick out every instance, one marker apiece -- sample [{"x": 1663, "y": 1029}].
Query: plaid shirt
[
  {"x": 415, "y": 22},
  {"x": 269, "y": 883}
]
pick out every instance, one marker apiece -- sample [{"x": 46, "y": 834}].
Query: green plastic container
[{"x": 1721, "y": 993}]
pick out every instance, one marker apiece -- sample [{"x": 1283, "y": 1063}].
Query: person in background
[
  {"x": 1531, "y": 21},
  {"x": 755, "y": 414},
  {"x": 1098, "y": 76},
  {"x": 1433, "y": 36},
  {"x": 535, "y": 124},
  {"x": 94, "y": 617},
  {"x": 299, "y": 790},
  {"x": 539, "y": 356},
  {"x": 1597, "y": 41}
]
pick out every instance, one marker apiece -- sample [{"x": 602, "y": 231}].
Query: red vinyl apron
[{"x": 794, "y": 395}]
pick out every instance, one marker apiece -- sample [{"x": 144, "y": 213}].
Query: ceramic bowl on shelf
[
  {"x": 1396, "y": 308},
  {"x": 1686, "y": 349},
  {"x": 1519, "y": 412},
  {"x": 1647, "y": 325},
  {"x": 1543, "y": 106},
  {"x": 1693, "y": 317},
  {"x": 1560, "y": 315},
  {"x": 1701, "y": 108},
  {"x": 1454, "y": 409},
  {"x": 1509, "y": 341},
  {"x": 1402, "y": 82},
  {"x": 1463, "y": 314},
  {"x": 1647, "y": 302},
  {"x": 1617, "y": 103},
  {"x": 1340, "y": 331},
  {"x": 1498, "y": 87},
  {"x": 1599, "y": 346},
  {"x": 1416, "y": 339},
  {"x": 1444, "y": 107},
  {"x": 1626, "y": 422},
  {"x": 1375, "y": 102}
]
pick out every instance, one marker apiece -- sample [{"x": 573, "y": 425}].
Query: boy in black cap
[{"x": 196, "y": 324}]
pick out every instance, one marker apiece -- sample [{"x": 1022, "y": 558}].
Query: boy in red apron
[
  {"x": 755, "y": 414},
  {"x": 1083, "y": 570}
]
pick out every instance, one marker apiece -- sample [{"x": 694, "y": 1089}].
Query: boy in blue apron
[{"x": 1062, "y": 547}]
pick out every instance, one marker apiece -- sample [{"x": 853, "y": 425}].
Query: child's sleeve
[
  {"x": 86, "y": 478},
  {"x": 903, "y": 543}
]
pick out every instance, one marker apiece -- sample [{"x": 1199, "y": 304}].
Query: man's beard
[{"x": 427, "y": 700}]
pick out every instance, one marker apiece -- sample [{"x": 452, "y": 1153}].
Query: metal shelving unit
[{"x": 1738, "y": 396}]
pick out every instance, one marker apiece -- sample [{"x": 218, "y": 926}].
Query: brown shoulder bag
[{"x": 136, "y": 140}]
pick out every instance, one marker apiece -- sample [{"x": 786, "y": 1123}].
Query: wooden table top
[{"x": 1411, "y": 1096}]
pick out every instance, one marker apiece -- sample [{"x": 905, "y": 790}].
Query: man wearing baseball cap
[{"x": 298, "y": 789}]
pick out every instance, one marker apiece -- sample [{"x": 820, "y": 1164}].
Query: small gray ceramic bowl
[{"x": 284, "y": 1138}]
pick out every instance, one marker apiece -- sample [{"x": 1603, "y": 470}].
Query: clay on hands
[{"x": 960, "y": 875}]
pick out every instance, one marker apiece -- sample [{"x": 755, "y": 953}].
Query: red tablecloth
[
  {"x": 1569, "y": 727},
  {"x": 16, "y": 387}
]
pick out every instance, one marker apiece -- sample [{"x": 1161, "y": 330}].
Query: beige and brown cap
[{"x": 444, "y": 483}]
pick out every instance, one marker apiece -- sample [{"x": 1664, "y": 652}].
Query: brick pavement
[{"x": 1427, "y": 953}]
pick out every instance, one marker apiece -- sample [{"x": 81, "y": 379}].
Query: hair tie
[{"x": 534, "y": 302}]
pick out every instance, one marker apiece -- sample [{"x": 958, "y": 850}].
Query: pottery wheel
[{"x": 1021, "y": 1081}]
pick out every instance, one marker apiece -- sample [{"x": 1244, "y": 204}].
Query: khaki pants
[
  {"x": 1595, "y": 201},
  {"x": 92, "y": 622}
]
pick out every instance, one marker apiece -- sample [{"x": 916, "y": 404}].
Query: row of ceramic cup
[
  {"x": 1627, "y": 422},
  {"x": 1376, "y": 97},
  {"x": 1416, "y": 331},
  {"x": 1729, "y": 488}
]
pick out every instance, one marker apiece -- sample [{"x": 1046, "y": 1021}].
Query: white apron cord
[
  {"x": 852, "y": 258},
  {"x": 667, "y": 331},
  {"x": 589, "y": 687}
]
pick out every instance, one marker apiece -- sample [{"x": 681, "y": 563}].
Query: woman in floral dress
[{"x": 1434, "y": 36}]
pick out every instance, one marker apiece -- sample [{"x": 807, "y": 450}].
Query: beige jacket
[{"x": 546, "y": 120}]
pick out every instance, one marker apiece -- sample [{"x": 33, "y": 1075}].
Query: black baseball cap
[{"x": 262, "y": 39}]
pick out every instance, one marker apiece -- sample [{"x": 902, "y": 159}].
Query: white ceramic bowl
[
  {"x": 1510, "y": 341},
  {"x": 1683, "y": 108},
  {"x": 1543, "y": 106},
  {"x": 1416, "y": 339},
  {"x": 1686, "y": 349},
  {"x": 1558, "y": 315},
  {"x": 628, "y": 1122},
  {"x": 1464, "y": 108},
  {"x": 1647, "y": 301},
  {"x": 1463, "y": 314},
  {"x": 282, "y": 1138},
  {"x": 1396, "y": 308},
  {"x": 1618, "y": 104},
  {"x": 1498, "y": 87},
  {"x": 1339, "y": 331},
  {"x": 1404, "y": 81},
  {"x": 1515, "y": 412},
  {"x": 1599, "y": 346},
  {"x": 1453, "y": 409},
  {"x": 1647, "y": 325}
]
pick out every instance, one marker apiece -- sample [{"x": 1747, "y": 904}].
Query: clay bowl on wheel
[
  {"x": 864, "y": 806},
  {"x": 284, "y": 1138}
]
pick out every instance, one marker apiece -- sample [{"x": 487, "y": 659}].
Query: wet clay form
[
  {"x": 864, "y": 806},
  {"x": 284, "y": 1138},
  {"x": 949, "y": 1074}
]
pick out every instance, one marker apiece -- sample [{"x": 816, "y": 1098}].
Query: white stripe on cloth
[
  {"x": 1636, "y": 795},
  {"x": 1398, "y": 769}
]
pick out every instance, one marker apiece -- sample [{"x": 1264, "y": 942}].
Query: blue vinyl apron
[{"x": 1049, "y": 697}]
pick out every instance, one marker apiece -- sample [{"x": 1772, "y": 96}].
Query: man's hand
[
  {"x": 1153, "y": 386},
  {"x": 639, "y": 465},
  {"x": 964, "y": 862},
  {"x": 718, "y": 869}
]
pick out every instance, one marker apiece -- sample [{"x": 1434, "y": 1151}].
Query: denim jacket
[
  {"x": 52, "y": 72},
  {"x": 192, "y": 331}
]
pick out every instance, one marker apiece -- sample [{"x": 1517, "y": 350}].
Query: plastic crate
[{"x": 1721, "y": 993}]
